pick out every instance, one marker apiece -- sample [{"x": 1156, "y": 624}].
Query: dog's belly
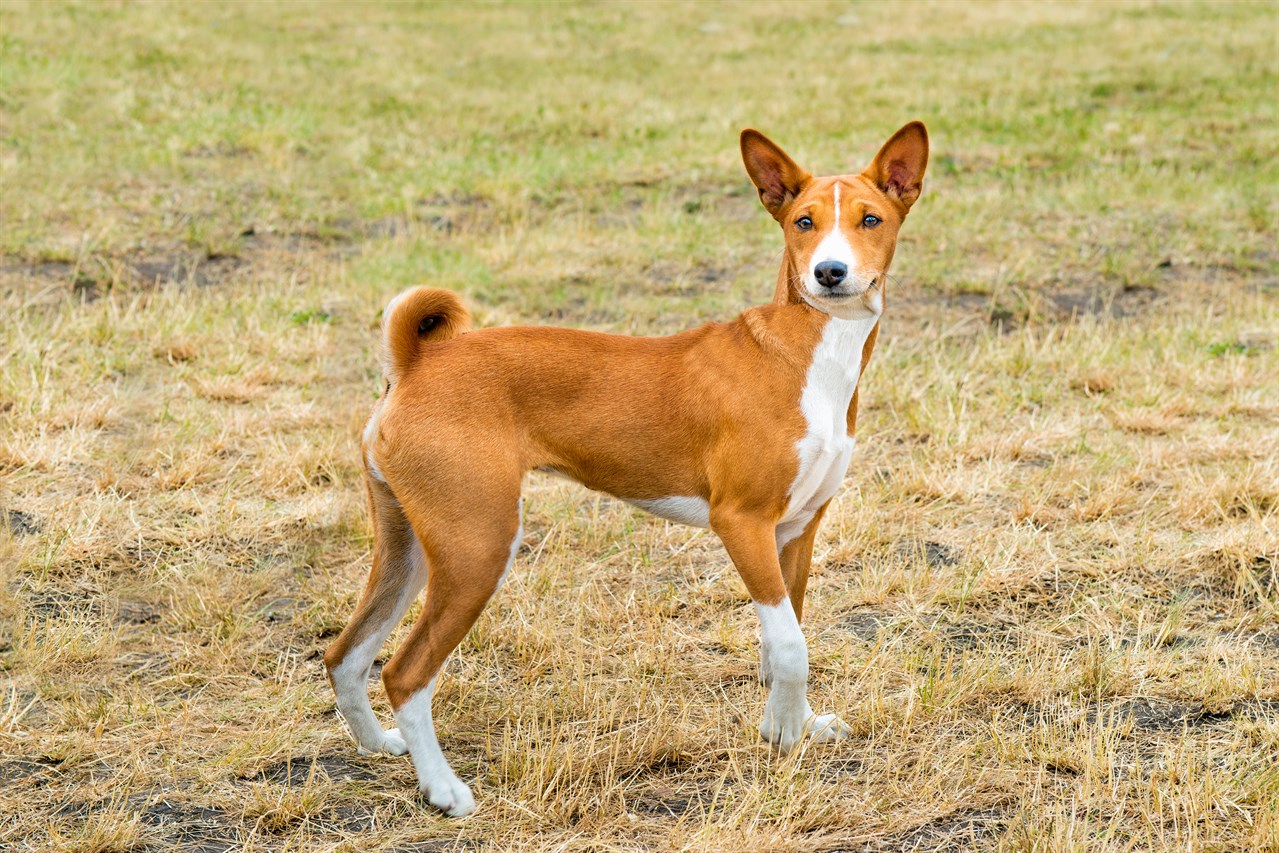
[
  {"x": 682, "y": 509},
  {"x": 823, "y": 464},
  {"x": 823, "y": 461},
  {"x": 685, "y": 510}
]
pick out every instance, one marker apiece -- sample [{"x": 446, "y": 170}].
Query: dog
[{"x": 744, "y": 427}]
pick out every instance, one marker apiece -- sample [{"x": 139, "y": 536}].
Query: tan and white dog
[{"x": 744, "y": 427}]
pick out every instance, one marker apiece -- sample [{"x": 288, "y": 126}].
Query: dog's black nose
[{"x": 830, "y": 273}]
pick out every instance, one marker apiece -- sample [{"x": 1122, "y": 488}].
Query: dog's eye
[
  {"x": 870, "y": 220},
  {"x": 804, "y": 223}
]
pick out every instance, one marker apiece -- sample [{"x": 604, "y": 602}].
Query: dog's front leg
[
  {"x": 751, "y": 543},
  {"x": 796, "y": 555}
]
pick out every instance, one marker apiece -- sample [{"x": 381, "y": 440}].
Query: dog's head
[{"x": 840, "y": 231}]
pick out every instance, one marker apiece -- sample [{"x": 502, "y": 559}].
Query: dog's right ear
[{"x": 777, "y": 177}]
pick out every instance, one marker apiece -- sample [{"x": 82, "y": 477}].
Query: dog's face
[{"x": 840, "y": 231}]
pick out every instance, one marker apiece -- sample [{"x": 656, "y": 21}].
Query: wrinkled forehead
[{"x": 852, "y": 189}]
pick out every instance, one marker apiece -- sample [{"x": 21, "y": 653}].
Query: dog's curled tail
[{"x": 418, "y": 316}]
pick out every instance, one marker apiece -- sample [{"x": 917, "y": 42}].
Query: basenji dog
[{"x": 744, "y": 427}]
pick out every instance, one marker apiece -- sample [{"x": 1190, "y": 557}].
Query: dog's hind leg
[
  {"x": 469, "y": 557},
  {"x": 398, "y": 575}
]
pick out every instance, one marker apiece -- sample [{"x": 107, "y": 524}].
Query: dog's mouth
[
  {"x": 861, "y": 297},
  {"x": 843, "y": 293}
]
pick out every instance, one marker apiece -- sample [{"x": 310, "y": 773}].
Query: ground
[{"x": 1046, "y": 600}]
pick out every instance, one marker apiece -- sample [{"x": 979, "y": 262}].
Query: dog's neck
[
  {"x": 791, "y": 328},
  {"x": 787, "y": 277}
]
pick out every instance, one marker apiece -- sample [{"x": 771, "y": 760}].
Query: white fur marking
[
  {"x": 387, "y": 312},
  {"x": 436, "y": 779},
  {"x": 833, "y": 247},
  {"x": 374, "y": 471},
  {"x": 370, "y": 437},
  {"x": 390, "y": 306},
  {"x": 515, "y": 545},
  {"x": 685, "y": 510},
  {"x": 350, "y": 683},
  {"x": 351, "y": 676},
  {"x": 788, "y": 718},
  {"x": 826, "y": 448}
]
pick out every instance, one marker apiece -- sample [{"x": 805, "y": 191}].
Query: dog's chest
[{"x": 826, "y": 447}]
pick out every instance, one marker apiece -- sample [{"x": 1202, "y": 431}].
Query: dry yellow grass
[{"x": 1047, "y": 600}]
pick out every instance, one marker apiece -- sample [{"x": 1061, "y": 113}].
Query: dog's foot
[
  {"x": 827, "y": 728},
  {"x": 448, "y": 793},
  {"x": 787, "y": 734},
  {"x": 391, "y": 743}
]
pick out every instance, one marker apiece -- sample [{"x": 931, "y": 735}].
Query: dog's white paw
[
  {"x": 784, "y": 734},
  {"x": 827, "y": 728},
  {"x": 788, "y": 733},
  {"x": 391, "y": 743},
  {"x": 449, "y": 794}
]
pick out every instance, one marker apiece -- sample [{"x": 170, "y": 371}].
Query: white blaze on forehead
[{"x": 833, "y": 247}]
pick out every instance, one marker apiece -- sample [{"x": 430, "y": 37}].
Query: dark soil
[
  {"x": 189, "y": 827},
  {"x": 959, "y": 830},
  {"x": 295, "y": 771},
  {"x": 19, "y": 523}
]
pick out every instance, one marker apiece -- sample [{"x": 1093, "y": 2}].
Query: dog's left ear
[{"x": 898, "y": 168}]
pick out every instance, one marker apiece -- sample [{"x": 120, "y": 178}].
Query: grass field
[{"x": 1046, "y": 601}]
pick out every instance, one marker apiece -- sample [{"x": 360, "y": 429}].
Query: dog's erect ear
[
  {"x": 898, "y": 168},
  {"x": 775, "y": 175}
]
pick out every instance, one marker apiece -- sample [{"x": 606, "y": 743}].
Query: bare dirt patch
[
  {"x": 25, "y": 771},
  {"x": 19, "y": 523},
  {"x": 438, "y": 845},
  {"x": 141, "y": 269},
  {"x": 963, "y": 829},
  {"x": 299, "y": 769},
  {"x": 664, "y": 801},
  {"x": 188, "y": 827},
  {"x": 935, "y": 555},
  {"x": 866, "y": 623}
]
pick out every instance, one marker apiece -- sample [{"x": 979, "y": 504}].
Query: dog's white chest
[{"x": 826, "y": 447}]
